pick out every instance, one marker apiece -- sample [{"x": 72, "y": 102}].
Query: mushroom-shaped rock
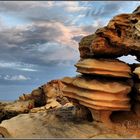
[
  {"x": 106, "y": 67},
  {"x": 101, "y": 95}
]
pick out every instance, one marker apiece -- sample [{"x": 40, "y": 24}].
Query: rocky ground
[{"x": 62, "y": 123}]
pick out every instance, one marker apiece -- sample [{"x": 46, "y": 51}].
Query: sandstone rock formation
[
  {"x": 98, "y": 94},
  {"x": 103, "y": 101},
  {"x": 97, "y": 51},
  {"x": 11, "y": 109},
  {"x": 48, "y": 95},
  {"x": 120, "y": 37},
  {"x": 106, "y": 67},
  {"x": 62, "y": 123}
]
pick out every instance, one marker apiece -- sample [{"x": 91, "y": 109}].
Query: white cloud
[
  {"x": 16, "y": 78},
  {"x": 17, "y": 66}
]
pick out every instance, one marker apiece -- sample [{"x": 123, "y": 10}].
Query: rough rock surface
[
  {"x": 43, "y": 98},
  {"x": 105, "y": 67},
  {"x": 101, "y": 96},
  {"x": 65, "y": 125},
  {"x": 11, "y": 109},
  {"x": 48, "y": 95},
  {"x": 98, "y": 84},
  {"x": 120, "y": 37}
]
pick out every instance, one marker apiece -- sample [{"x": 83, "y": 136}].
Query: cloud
[
  {"x": 17, "y": 66},
  {"x": 52, "y": 38},
  {"x": 16, "y": 78},
  {"x": 42, "y": 11},
  {"x": 39, "y": 43}
]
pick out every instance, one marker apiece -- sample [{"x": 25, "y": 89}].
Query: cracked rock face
[{"x": 120, "y": 37}]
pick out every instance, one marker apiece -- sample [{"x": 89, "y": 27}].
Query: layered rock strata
[
  {"x": 98, "y": 94},
  {"x": 107, "y": 67}
]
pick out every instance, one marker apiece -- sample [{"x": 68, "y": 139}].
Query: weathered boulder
[{"x": 120, "y": 37}]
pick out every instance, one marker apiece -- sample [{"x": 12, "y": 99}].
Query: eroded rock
[
  {"x": 98, "y": 84},
  {"x": 48, "y": 95},
  {"x": 11, "y": 109},
  {"x": 63, "y": 123},
  {"x": 119, "y": 37},
  {"x": 105, "y": 67},
  {"x": 101, "y": 96}
]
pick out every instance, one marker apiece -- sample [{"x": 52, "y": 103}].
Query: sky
[{"x": 39, "y": 39}]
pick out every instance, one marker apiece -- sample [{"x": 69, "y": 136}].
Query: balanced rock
[
  {"x": 119, "y": 37},
  {"x": 106, "y": 67}
]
